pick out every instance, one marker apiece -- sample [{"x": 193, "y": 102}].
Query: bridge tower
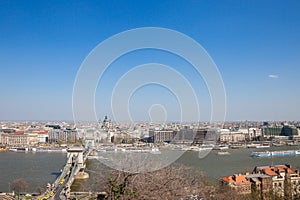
[
  {"x": 90, "y": 142},
  {"x": 89, "y": 138},
  {"x": 73, "y": 153}
]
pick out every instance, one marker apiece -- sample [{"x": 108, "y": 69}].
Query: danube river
[
  {"x": 40, "y": 168},
  {"x": 37, "y": 169},
  {"x": 213, "y": 166}
]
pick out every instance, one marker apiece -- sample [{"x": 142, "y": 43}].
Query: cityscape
[
  {"x": 137, "y": 100},
  {"x": 96, "y": 142}
]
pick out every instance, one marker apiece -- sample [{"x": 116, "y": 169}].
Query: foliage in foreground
[{"x": 173, "y": 182}]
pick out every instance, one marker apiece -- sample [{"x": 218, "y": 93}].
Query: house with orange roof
[
  {"x": 281, "y": 174},
  {"x": 238, "y": 182},
  {"x": 281, "y": 179}
]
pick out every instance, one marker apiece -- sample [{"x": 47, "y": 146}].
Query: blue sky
[{"x": 43, "y": 43}]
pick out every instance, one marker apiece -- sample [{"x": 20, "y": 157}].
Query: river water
[
  {"x": 38, "y": 169},
  {"x": 213, "y": 166}
]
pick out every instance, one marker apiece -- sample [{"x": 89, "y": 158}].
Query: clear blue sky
[{"x": 255, "y": 44}]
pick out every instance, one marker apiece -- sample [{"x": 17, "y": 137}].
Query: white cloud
[{"x": 273, "y": 76}]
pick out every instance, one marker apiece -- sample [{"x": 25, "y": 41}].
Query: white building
[
  {"x": 43, "y": 137},
  {"x": 227, "y": 136}
]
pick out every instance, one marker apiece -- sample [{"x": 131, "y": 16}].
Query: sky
[{"x": 254, "y": 44}]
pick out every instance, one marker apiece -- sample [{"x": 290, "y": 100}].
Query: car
[{"x": 62, "y": 181}]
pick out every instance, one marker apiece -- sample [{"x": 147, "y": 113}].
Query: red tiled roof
[
  {"x": 238, "y": 179},
  {"x": 43, "y": 132},
  {"x": 228, "y": 179},
  {"x": 270, "y": 172},
  {"x": 273, "y": 171}
]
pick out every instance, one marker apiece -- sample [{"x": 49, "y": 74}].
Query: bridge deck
[{"x": 61, "y": 186}]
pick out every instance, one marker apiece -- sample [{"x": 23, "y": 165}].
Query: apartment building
[{"x": 280, "y": 179}]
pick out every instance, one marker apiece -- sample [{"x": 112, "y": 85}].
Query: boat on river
[
  {"x": 264, "y": 145},
  {"x": 261, "y": 154},
  {"x": 220, "y": 147},
  {"x": 203, "y": 147},
  {"x": 223, "y": 153},
  {"x": 276, "y": 153},
  {"x": 129, "y": 150}
]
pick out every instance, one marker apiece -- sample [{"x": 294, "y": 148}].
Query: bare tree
[
  {"x": 173, "y": 182},
  {"x": 225, "y": 192},
  {"x": 19, "y": 185}
]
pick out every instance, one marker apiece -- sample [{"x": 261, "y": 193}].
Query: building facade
[
  {"x": 279, "y": 131},
  {"x": 13, "y": 139},
  {"x": 282, "y": 180},
  {"x": 62, "y": 135},
  {"x": 227, "y": 136},
  {"x": 162, "y": 135}
]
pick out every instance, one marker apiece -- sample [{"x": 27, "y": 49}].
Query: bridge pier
[{"x": 82, "y": 175}]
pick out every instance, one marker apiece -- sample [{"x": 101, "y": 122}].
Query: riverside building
[{"x": 279, "y": 179}]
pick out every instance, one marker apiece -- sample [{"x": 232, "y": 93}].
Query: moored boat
[
  {"x": 223, "y": 153},
  {"x": 276, "y": 153},
  {"x": 275, "y": 144},
  {"x": 261, "y": 154},
  {"x": 236, "y": 146},
  {"x": 264, "y": 145},
  {"x": 220, "y": 147},
  {"x": 283, "y": 153},
  {"x": 292, "y": 143},
  {"x": 203, "y": 147},
  {"x": 21, "y": 149},
  {"x": 155, "y": 151},
  {"x": 252, "y": 145}
]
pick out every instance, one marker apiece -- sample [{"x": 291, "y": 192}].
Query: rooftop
[
  {"x": 237, "y": 179},
  {"x": 275, "y": 170}
]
